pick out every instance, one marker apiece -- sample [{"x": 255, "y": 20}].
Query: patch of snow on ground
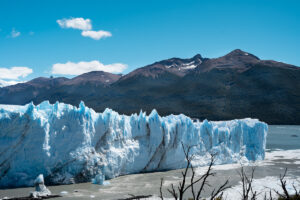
[
  {"x": 269, "y": 160},
  {"x": 262, "y": 186}
]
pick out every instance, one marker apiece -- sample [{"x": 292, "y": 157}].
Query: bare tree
[
  {"x": 203, "y": 180},
  {"x": 247, "y": 185},
  {"x": 248, "y": 192},
  {"x": 160, "y": 189},
  {"x": 285, "y": 195},
  {"x": 270, "y": 195}
]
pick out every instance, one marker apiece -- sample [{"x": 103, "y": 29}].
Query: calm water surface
[{"x": 283, "y": 137}]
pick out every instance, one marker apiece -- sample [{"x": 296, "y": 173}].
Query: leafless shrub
[
  {"x": 179, "y": 192},
  {"x": 248, "y": 193},
  {"x": 286, "y": 195},
  {"x": 160, "y": 189}
]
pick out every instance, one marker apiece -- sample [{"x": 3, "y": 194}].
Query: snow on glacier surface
[{"x": 68, "y": 144}]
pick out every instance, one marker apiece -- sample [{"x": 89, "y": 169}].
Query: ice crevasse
[{"x": 74, "y": 144}]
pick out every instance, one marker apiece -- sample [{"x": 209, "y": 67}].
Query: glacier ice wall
[{"x": 68, "y": 144}]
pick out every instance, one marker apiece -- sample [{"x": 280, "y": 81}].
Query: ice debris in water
[
  {"x": 99, "y": 179},
  {"x": 40, "y": 189},
  {"x": 75, "y": 144},
  {"x": 64, "y": 192}
]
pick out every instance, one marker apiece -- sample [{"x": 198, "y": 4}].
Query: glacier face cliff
[{"x": 68, "y": 144}]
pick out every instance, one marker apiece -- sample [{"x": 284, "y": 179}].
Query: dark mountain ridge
[
  {"x": 237, "y": 85},
  {"x": 94, "y": 77}
]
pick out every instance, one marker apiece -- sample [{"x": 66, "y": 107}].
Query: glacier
[{"x": 70, "y": 144}]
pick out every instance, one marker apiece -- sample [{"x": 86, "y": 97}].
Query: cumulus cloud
[
  {"x": 75, "y": 23},
  {"x": 11, "y": 75},
  {"x": 96, "y": 35},
  {"x": 4, "y": 83},
  {"x": 71, "y": 68},
  {"x": 85, "y": 25},
  {"x": 14, "y": 73},
  {"x": 15, "y": 33}
]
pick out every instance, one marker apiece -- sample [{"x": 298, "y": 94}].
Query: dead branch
[
  {"x": 173, "y": 192},
  {"x": 160, "y": 189},
  {"x": 133, "y": 197},
  {"x": 219, "y": 193},
  {"x": 247, "y": 185}
]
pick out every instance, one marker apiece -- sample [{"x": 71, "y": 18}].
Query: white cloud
[
  {"x": 15, "y": 33},
  {"x": 85, "y": 25},
  {"x": 14, "y": 72},
  {"x": 4, "y": 83},
  {"x": 76, "y": 23},
  {"x": 96, "y": 35},
  {"x": 71, "y": 68}
]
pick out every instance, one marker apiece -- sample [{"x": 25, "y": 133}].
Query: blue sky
[{"x": 139, "y": 33}]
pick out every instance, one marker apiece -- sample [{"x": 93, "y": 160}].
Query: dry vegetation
[{"x": 217, "y": 193}]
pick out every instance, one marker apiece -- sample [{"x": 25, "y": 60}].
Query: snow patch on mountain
[{"x": 183, "y": 66}]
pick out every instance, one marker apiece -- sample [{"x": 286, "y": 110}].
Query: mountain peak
[
  {"x": 198, "y": 56},
  {"x": 239, "y": 53},
  {"x": 182, "y": 65},
  {"x": 42, "y": 81},
  {"x": 236, "y": 59},
  {"x": 96, "y": 77}
]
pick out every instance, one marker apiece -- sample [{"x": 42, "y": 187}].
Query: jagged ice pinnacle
[{"x": 67, "y": 144}]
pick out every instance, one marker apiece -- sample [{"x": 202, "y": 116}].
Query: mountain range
[{"x": 234, "y": 86}]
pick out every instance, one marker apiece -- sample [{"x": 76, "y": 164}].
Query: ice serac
[
  {"x": 67, "y": 143},
  {"x": 40, "y": 189}
]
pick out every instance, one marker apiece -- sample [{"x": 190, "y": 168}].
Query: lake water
[
  {"x": 283, "y": 137},
  {"x": 283, "y": 151}
]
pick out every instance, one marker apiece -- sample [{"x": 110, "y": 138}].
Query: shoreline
[{"x": 267, "y": 171}]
